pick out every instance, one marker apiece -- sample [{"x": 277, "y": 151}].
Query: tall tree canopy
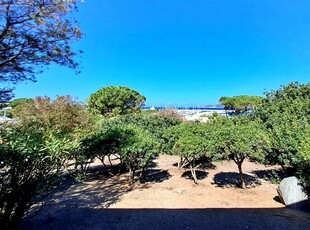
[
  {"x": 115, "y": 100},
  {"x": 34, "y": 34},
  {"x": 240, "y": 103}
]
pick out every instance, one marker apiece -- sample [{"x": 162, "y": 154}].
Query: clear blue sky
[{"x": 185, "y": 51}]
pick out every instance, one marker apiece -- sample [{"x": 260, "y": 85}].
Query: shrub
[{"x": 28, "y": 160}]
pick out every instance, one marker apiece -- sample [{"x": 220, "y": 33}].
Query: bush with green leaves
[
  {"x": 303, "y": 170},
  {"x": 286, "y": 114},
  {"x": 103, "y": 143},
  {"x": 28, "y": 162},
  {"x": 190, "y": 141},
  {"x": 127, "y": 137},
  {"x": 155, "y": 124},
  {"x": 63, "y": 114},
  {"x": 239, "y": 138},
  {"x": 138, "y": 147}
]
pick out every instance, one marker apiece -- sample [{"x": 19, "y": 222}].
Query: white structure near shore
[
  {"x": 200, "y": 115},
  {"x": 4, "y": 118}
]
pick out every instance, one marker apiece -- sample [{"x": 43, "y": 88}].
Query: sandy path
[
  {"x": 176, "y": 191},
  {"x": 169, "y": 200}
]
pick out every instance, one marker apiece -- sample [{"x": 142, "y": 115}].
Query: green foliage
[
  {"x": 35, "y": 34},
  {"x": 16, "y": 104},
  {"x": 286, "y": 113},
  {"x": 103, "y": 143},
  {"x": 134, "y": 145},
  {"x": 28, "y": 160},
  {"x": 64, "y": 114},
  {"x": 138, "y": 147},
  {"x": 153, "y": 123},
  {"x": 303, "y": 171},
  {"x": 37, "y": 148},
  {"x": 20, "y": 101},
  {"x": 111, "y": 101},
  {"x": 148, "y": 111},
  {"x": 240, "y": 103},
  {"x": 134, "y": 138},
  {"x": 191, "y": 141},
  {"x": 239, "y": 138}
]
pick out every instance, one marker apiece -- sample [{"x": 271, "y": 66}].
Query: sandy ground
[{"x": 168, "y": 199}]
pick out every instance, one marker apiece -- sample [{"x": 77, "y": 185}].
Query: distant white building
[{"x": 4, "y": 118}]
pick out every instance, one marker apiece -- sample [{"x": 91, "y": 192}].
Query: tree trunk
[
  {"x": 141, "y": 176},
  {"x": 242, "y": 180},
  {"x": 131, "y": 176},
  {"x": 102, "y": 160},
  {"x": 109, "y": 157},
  {"x": 21, "y": 206},
  {"x": 16, "y": 205},
  {"x": 122, "y": 168},
  {"x": 180, "y": 163},
  {"x": 193, "y": 171}
]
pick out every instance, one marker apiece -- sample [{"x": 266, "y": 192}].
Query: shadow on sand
[
  {"x": 100, "y": 189},
  {"x": 270, "y": 175},
  {"x": 232, "y": 179},
  {"x": 200, "y": 175},
  {"x": 233, "y": 218},
  {"x": 156, "y": 176},
  {"x": 202, "y": 163}
]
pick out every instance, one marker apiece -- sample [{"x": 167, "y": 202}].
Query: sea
[{"x": 209, "y": 108}]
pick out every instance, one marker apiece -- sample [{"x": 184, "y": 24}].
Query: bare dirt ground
[{"x": 168, "y": 199}]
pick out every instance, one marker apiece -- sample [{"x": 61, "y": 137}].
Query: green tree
[
  {"x": 156, "y": 124},
  {"x": 29, "y": 160},
  {"x": 20, "y": 101},
  {"x": 240, "y": 104},
  {"x": 34, "y": 34},
  {"x": 286, "y": 113},
  {"x": 16, "y": 104},
  {"x": 64, "y": 114},
  {"x": 303, "y": 172},
  {"x": 190, "y": 141},
  {"x": 103, "y": 143},
  {"x": 137, "y": 149},
  {"x": 115, "y": 100},
  {"x": 240, "y": 138},
  {"x": 107, "y": 140}
]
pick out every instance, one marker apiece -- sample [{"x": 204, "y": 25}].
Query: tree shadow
[
  {"x": 205, "y": 163},
  {"x": 90, "y": 193},
  {"x": 273, "y": 175},
  {"x": 201, "y": 163},
  {"x": 100, "y": 172},
  {"x": 232, "y": 179},
  {"x": 152, "y": 164},
  {"x": 199, "y": 174},
  {"x": 156, "y": 176}
]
